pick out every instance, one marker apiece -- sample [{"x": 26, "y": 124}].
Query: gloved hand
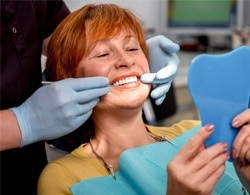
[
  {"x": 163, "y": 64},
  {"x": 59, "y": 108}
]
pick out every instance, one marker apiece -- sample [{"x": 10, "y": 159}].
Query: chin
[
  {"x": 134, "y": 100},
  {"x": 126, "y": 100},
  {"x": 133, "y": 103}
]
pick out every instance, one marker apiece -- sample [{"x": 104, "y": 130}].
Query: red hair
[{"x": 67, "y": 46}]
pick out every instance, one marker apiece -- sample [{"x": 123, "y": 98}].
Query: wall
[{"x": 147, "y": 10}]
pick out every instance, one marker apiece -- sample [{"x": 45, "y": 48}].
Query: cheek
[
  {"x": 147, "y": 88},
  {"x": 143, "y": 63},
  {"x": 90, "y": 70},
  {"x": 81, "y": 70},
  {"x": 146, "y": 67}
]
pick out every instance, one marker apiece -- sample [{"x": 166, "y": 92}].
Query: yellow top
[{"x": 60, "y": 174}]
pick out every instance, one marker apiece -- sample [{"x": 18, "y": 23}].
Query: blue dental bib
[{"x": 143, "y": 171}]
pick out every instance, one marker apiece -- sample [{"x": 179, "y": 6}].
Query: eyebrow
[
  {"x": 95, "y": 43},
  {"x": 130, "y": 36},
  {"x": 126, "y": 37}
]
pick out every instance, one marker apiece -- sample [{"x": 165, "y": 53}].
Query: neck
[
  {"x": 119, "y": 128},
  {"x": 115, "y": 133}
]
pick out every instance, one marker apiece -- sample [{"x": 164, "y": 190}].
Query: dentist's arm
[
  {"x": 163, "y": 66},
  {"x": 10, "y": 134},
  {"x": 53, "y": 111}
]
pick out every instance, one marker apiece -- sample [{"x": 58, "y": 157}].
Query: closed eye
[
  {"x": 102, "y": 55},
  {"x": 133, "y": 49}
]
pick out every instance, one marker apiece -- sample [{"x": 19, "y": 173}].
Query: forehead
[
  {"x": 102, "y": 34},
  {"x": 118, "y": 33}
]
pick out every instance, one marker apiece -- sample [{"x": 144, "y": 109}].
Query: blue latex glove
[
  {"x": 163, "y": 64},
  {"x": 59, "y": 108}
]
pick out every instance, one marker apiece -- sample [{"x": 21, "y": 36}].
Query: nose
[{"x": 124, "y": 59}]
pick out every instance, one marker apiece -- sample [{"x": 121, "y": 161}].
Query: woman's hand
[
  {"x": 196, "y": 170},
  {"x": 241, "y": 147}
]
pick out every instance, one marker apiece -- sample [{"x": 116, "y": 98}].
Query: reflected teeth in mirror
[{"x": 127, "y": 80}]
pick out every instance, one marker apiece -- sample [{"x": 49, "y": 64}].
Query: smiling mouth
[{"x": 132, "y": 79}]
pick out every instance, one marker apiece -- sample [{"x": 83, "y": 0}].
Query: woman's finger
[
  {"x": 190, "y": 150},
  {"x": 244, "y": 151},
  {"x": 213, "y": 179},
  {"x": 241, "y": 139},
  {"x": 208, "y": 170},
  {"x": 207, "y": 158},
  {"x": 242, "y": 118}
]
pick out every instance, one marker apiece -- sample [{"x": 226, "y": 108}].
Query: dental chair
[{"x": 153, "y": 113}]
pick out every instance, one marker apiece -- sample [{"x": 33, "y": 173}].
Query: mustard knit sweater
[{"x": 60, "y": 174}]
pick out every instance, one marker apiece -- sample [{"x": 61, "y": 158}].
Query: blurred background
[
  {"x": 204, "y": 26},
  {"x": 198, "y": 26}
]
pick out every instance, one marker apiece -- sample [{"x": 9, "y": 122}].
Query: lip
[{"x": 125, "y": 76}]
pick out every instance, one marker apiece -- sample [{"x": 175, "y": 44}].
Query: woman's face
[{"x": 122, "y": 61}]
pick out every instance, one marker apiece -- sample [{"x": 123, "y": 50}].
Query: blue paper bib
[{"x": 143, "y": 171}]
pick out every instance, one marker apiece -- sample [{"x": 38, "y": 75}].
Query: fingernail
[
  {"x": 236, "y": 122},
  {"x": 209, "y": 128},
  {"x": 224, "y": 145},
  {"x": 234, "y": 154}
]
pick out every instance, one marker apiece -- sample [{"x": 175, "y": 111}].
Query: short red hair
[{"x": 67, "y": 46}]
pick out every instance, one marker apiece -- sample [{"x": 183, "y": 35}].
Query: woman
[{"x": 106, "y": 40}]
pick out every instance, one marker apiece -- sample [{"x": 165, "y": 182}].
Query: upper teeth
[{"x": 126, "y": 81}]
